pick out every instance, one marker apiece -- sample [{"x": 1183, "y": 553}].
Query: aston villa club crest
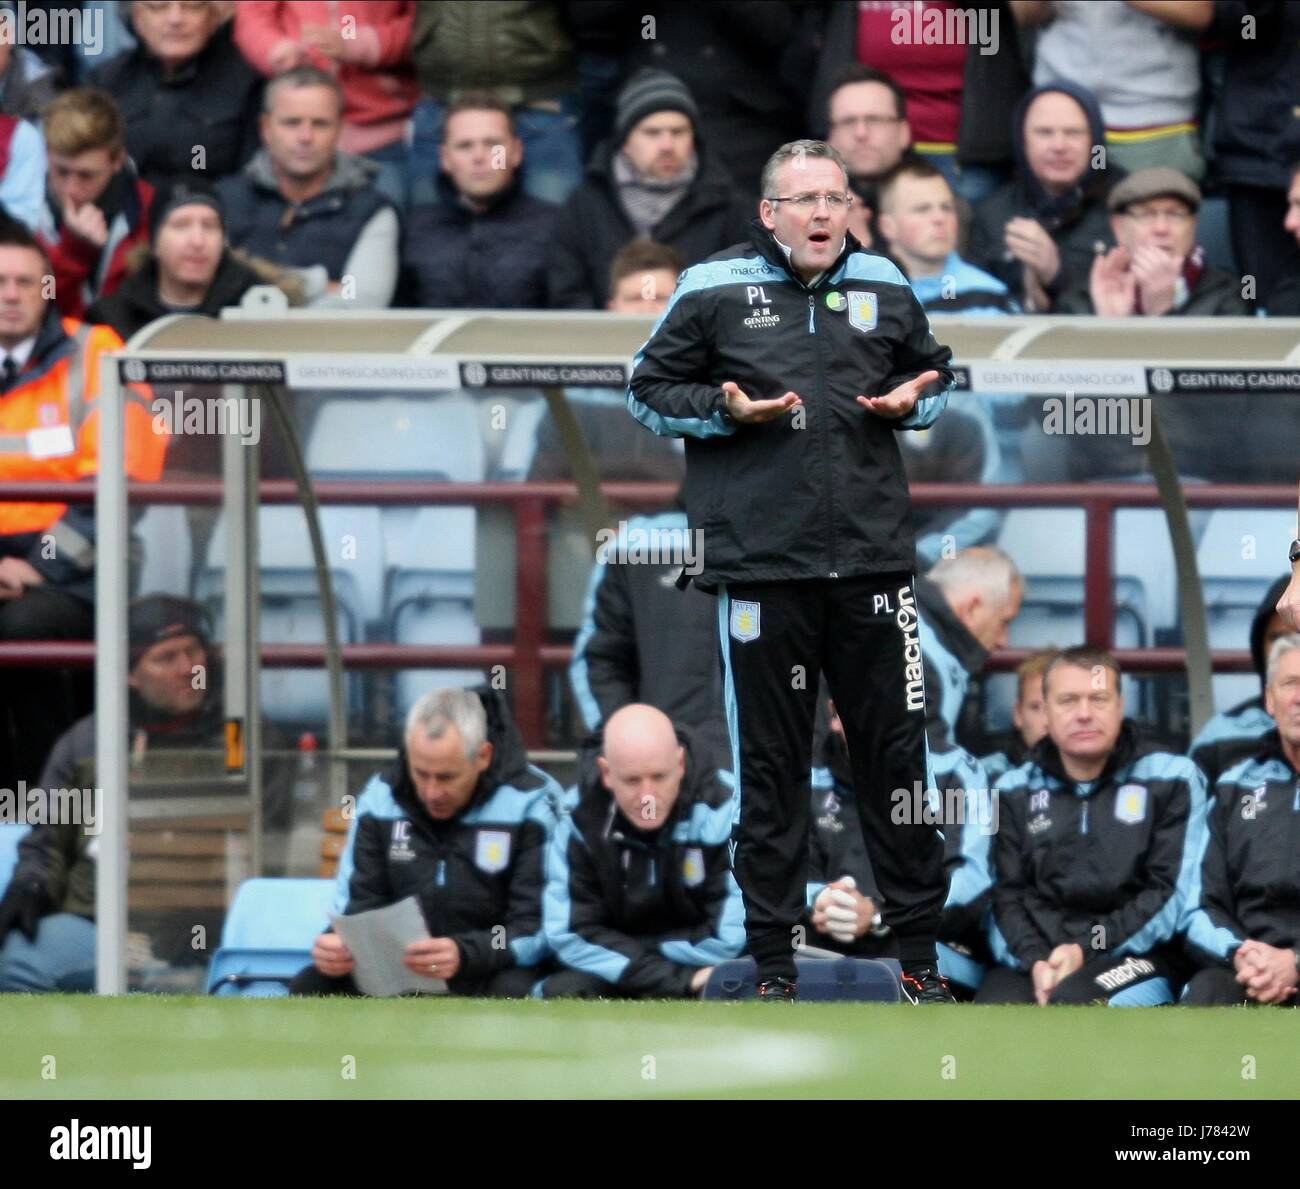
[
  {"x": 862, "y": 309},
  {"x": 1131, "y": 804},
  {"x": 693, "y": 867},
  {"x": 744, "y": 621},
  {"x": 492, "y": 850}
]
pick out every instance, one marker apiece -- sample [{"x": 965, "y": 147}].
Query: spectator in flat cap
[
  {"x": 655, "y": 179},
  {"x": 1158, "y": 270},
  {"x": 1156, "y": 266}
]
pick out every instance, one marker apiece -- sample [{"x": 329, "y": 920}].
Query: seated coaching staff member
[
  {"x": 460, "y": 823},
  {"x": 793, "y": 477},
  {"x": 640, "y": 900}
]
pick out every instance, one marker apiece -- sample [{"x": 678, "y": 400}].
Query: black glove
[{"x": 23, "y": 906}]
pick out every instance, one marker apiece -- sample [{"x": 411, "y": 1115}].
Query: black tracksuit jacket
[
  {"x": 473, "y": 873},
  {"x": 644, "y": 910},
  {"x": 821, "y": 492}
]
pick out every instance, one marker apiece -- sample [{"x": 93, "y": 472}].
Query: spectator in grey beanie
[{"x": 654, "y": 178}]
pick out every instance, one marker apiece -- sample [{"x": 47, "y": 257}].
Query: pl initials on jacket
[{"x": 821, "y": 491}]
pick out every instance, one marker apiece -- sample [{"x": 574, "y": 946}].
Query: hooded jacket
[
  {"x": 1247, "y": 882},
  {"x": 320, "y": 231},
  {"x": 820, "y": 495},
  {"x": 1107, "y": 864},
  {"x": 1077, "y": 222},
  {"x": 644, "y": 910},
  {"x": 136, "y": 303},
  {"x": 472, "y": 874},
  {"x": 592, "y": 226},
  {"x": 1235, "y": 734}
]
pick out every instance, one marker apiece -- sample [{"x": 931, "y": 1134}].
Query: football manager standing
[{"x": 788, "y": 363}]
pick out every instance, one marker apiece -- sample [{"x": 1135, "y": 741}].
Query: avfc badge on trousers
[{"x": 744, "y": 621}]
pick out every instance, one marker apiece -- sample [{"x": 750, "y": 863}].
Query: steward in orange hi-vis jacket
[{"x": 49, "y": 431}]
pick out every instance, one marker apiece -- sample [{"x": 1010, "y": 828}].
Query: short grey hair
[
  {"x": 985, "y": 568},
  {"x": 799, "y": 150},
  {"x": 298, "y": 77},
  {"x": 435, "y": 711},
  {"x": 1281, "y": 646}
]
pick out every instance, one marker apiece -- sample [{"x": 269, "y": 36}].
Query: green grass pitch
[{"x": 172, "y": 1047}]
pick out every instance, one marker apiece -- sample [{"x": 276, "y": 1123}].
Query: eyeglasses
[
  {"x": 806, "y": 202},
  {"x": 1145, "y": 217},
  {"x": 873, "y": 123}
]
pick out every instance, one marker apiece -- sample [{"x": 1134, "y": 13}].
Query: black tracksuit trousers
[{"x": 862, "y": 634}]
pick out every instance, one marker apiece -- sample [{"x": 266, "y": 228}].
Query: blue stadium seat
[
  {"x": 268, "y": 935},
  {"x": 290, "y": 608},
  {"x": 354, "y": 549},
  {"x": 521, "y": 441},
  {"x": 1047, "y": 545},
  {"x": 431, "y": 595},
  {"x": 435, "y": 438},
  {"x": 11, "y": 834},
  {"x": 393, "y": 437},
  {"x": 164, "y": 534},
  {"x": 1242, "y": 553}
]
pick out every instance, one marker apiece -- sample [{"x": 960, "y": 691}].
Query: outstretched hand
[
  {"x": 751, "y": 412},
  {"x": 902, "y": 400}
]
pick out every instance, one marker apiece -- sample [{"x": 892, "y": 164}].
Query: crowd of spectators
[{"x": 1050, "y": 158}]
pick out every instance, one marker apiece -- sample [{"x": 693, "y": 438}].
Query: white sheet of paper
[{"x": 377, "y": 939}]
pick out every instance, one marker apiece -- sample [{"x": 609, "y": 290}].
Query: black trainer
[
  {"x": 927, "y": 985},
  {"x": 778, "y": 990}
]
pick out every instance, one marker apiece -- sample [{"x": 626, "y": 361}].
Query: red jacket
[
  {"x": 84, "y": 273},
  {"x": 375, "y": 72}
]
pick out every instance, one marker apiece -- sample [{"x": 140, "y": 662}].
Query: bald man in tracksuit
[
  {"x": 789, "y": 363},
  {"x": 640, "y": 900}
]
